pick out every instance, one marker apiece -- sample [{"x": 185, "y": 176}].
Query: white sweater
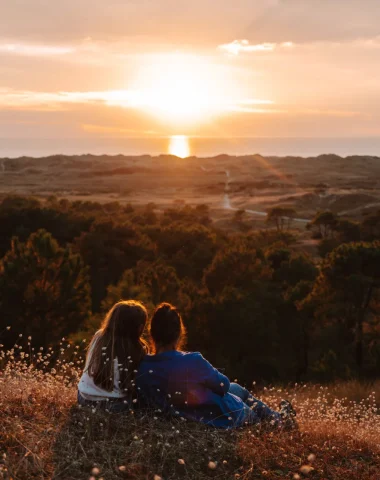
[{"x": 90, "y": 391}]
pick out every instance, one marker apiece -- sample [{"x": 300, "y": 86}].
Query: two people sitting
[{"x": 120, "y": 372}]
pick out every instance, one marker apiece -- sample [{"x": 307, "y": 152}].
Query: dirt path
[{"x": 228, "y": 206}]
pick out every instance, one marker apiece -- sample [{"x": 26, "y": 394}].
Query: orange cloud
[
  {"x": 243, "y": 46},
  {"x": 33, "y": 50}
]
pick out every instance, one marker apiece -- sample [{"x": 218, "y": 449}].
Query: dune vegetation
[
  {"x": 254, "y": 302},
  {"x": 44, "y": 434}
]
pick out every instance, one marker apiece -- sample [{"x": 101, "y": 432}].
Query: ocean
[{"x": 185, "y": 146}]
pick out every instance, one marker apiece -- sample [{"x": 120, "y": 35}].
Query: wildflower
[
  {"x": 225, "y": 462},
  {"x": 157, "y": 477},
  {"x": 212, "y": 465},
  {"x": 306, "y": 469},
  {"x": 122, "y": 468},
  {"x": 181, "y": 461},
  {"x": 311, "y": 458},
  {"x": 296, "y": 477},
  {"x": 95, "y": 471}
]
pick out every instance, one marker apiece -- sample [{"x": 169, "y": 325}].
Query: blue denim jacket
[{"x": 186, "y": 384}]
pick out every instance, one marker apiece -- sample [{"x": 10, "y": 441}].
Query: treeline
[{"x": 252, "y": 304}]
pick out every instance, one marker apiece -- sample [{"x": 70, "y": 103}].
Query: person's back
[
  {"x": 185, "y": 384},
  {"x": 114, "y": 354}
]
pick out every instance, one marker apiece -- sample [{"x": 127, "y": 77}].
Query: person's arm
[{"x": 210, "y": 376}]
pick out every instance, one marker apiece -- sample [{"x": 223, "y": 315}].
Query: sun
[
  {"x": 181, "y": 89},
  {"x": 179, "y": 146}
]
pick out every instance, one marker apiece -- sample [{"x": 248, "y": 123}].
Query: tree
[
  {"x": 370, "y": 227},
  {"x": 236, "y": 266},
  {"x": 188, "y": 248},
  {"x": 347, "y": 231},
  {"x": 346, "y": 291},
  {"x": 239, "y": 219},
  {"x": 44, "y": 289},
  {"x": 109, "y": 249},
  {"x": 160, "y": 280},
  {"x": 21, "y": 216},
  {"x": 339, "y": 231},
  {"x": 281, "y": 217},
  {"x": 295, "y": 275},
  {"x": 241, "y": 329},
  {"x": 325, "y": 223},
  {"x": 127, "y": 289}
]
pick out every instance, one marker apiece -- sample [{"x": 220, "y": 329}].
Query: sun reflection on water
[{"x": 179, "y": 146}]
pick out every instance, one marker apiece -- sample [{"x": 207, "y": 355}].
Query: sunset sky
[{"x": 119, "y": 68}]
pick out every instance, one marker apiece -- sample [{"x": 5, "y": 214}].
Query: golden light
[
  {"x": 182, "y": 89},
  {"x": 179, "y": 146}
]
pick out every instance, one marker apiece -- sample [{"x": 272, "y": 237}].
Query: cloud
[
  {"x": 34, "y": 50},
  {"x": 308, "y": 21},
  {"x": 238, "y": 46},
  {"x": 243, "y": 46},
  {"x": 127, "y": 99},
  {"x": 198, "y": 22}
]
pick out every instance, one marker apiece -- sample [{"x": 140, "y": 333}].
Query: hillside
[
  {"x": 44, "y": 435},
  {"x": 347, "y": 186}
]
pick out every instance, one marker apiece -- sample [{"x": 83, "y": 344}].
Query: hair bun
[{"x": 165, "y": 307}]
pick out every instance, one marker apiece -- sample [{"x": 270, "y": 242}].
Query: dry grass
[{"x": 44, "y": 435}]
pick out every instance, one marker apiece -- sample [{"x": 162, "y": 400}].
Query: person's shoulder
[
  {"x": 190, "y": 354},
  {"x": 193, "y": 357},
  {"x": 148, "y": 357}
]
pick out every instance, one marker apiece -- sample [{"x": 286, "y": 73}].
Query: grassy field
[
  {"x": 45, "y": 435},
  {"x": 346, "y": 186}
]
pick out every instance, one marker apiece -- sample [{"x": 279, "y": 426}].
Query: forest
[{"x": 253, "y": 303}]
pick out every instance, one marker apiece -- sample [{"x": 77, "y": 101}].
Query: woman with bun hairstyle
[{"x": 185, "y": 384}]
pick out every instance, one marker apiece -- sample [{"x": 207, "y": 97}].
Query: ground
[
  {"x": 45, "y": 435},
  {"x": 347, "y": 186}
]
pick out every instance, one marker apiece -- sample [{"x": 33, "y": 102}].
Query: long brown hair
[
  {"x": 166, "y": 327},
  {"x": 119, "y": 337}
]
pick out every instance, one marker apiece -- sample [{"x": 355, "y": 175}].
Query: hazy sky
[{"x": 121, "y": 68}]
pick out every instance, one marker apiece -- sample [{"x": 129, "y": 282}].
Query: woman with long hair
[
  {"x": 185, "y": 384},
  {"x": 113, "y": 357}
]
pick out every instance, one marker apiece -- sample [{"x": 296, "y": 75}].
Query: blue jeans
[
  {"x": 116, "y": 405},
  {"x": 255, "y": 410}
]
